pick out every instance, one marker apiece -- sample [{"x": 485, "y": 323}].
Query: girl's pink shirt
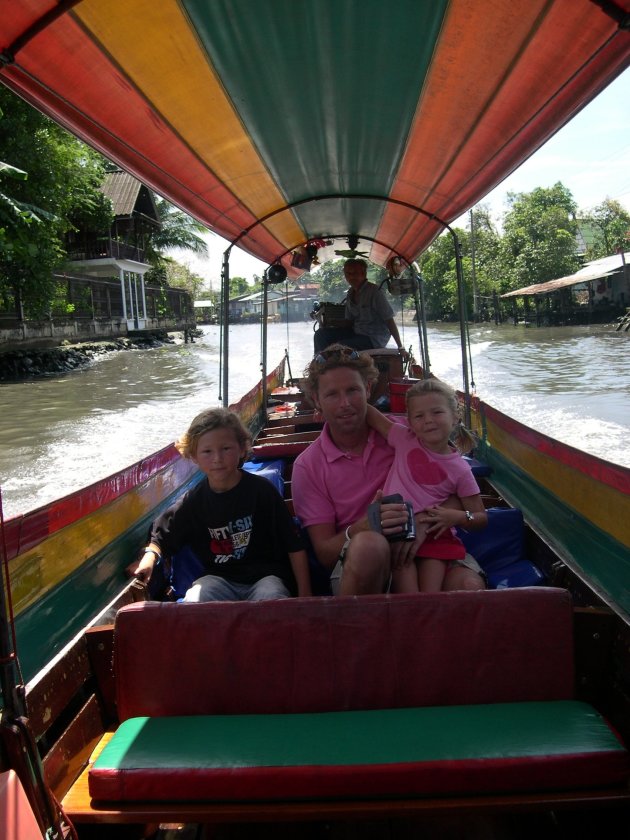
[{"x": 425, "y": 478}]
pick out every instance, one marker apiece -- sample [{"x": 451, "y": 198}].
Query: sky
[{"x": 590, "y": 156}]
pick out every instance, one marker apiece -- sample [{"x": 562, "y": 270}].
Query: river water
[{"x": 62, "y": 433}]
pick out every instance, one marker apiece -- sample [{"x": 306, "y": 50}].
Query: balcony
[{"x": 100, "y": 249}]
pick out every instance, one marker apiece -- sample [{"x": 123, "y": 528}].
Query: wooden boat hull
[
  {"x": 576, "y": 502},
  {"x": 67, "y": 560},
  {"x": 104, "y": 526}
]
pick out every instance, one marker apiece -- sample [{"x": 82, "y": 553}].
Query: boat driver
[
  {"x": 343, "y": 471},
  {"x": 369, "y": 316}
]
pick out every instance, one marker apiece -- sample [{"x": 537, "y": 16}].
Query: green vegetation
[
  {"x": 49, "y": 186},
  {"x": 610, "y": 224},
  {"x": 538, "y": 244},
  {"x": 59, "y": 192},
  {"x": 178, "y": 230}
]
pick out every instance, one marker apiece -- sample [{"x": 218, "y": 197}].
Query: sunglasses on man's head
[{"x": 343, "y": 353}]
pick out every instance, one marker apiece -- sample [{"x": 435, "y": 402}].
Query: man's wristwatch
[{"x": 469, "y": 516}]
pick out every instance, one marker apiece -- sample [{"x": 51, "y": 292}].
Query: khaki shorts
[{"x": 467, "y": 562}]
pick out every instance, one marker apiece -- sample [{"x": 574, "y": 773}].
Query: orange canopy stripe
[
  {"x": 499, "y": 87},
  {"x": 234, "y": 110}
]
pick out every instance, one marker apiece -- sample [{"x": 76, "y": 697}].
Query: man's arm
[
  {"x": 327, "y": 543},
  {"x": 393, "y": 329}
]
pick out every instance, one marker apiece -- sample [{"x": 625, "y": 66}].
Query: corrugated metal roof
[{"x": 591, "y": 271}]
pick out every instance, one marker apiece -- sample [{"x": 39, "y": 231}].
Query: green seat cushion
[{"x": 389, "y": 752}]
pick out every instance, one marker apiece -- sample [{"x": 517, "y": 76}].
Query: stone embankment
[{"x": 19, "y": 364}]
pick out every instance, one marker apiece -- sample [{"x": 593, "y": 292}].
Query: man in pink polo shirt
[{"x": 340, "y": 473}]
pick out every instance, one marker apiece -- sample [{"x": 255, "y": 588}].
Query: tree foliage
[
  {"x": 610, "y": 223},
  {"x": 61, "y": 190},
  {"x": 332, "y": 283},
  {"x": 172, "y": 273},
  {"x": 539, "y": 240},
  {"x": 480, "y": 248},
  {"x": 538, "y": 243},
  {"x": 177, "y": 230},
  {"x": 239, "y": 286}
]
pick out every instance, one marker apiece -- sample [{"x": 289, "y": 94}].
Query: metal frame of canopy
[
  {"x": 225, "y": 286},
  {"x": 476, "y": 94}
]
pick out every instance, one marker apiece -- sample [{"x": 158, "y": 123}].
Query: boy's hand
[{"x": 143, "y": 569}]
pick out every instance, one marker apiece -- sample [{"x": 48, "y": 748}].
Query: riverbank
[{"x": 19, "y": 365}]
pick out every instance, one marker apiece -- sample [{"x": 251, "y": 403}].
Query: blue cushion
[
  {"x": 273, "y": 471},
  {"x": 479, "y": 470},
  {"x": 500, "y": 550},
  {"x": 519, "y": 573},
  {"x": 186, "y": 567}
]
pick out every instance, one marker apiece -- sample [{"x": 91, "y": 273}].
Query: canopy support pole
[
  {"x": 366, "y": 197},
  {"x": 225, "y": 328},
  {"x": 422, "y": 323},
  {"x": 263, "y": 353},
  {"x": 461, "y": 296}
]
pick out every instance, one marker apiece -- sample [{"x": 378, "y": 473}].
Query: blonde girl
[{"x": 429, "y": 472}]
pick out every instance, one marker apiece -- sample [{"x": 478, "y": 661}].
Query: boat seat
[
  {"x": 389, "y": 364},
  {"x": 445, "y": 751},
  {"x": 272, "y": 470},
  {"x": 345, "y": 705},
  {"x": 479, "y": 470}
]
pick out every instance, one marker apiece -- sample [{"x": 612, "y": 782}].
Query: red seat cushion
[{"x": 346, "y": 653}]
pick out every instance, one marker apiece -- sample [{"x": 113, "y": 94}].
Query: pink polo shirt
[{"x": 330, "y": 486}]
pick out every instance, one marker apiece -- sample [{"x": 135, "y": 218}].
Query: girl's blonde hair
[
  {"x": 464, "y": 439},
  {"x": 208, "y": 421}
]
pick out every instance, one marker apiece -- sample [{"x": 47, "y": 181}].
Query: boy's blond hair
[{"x": 208, "y": 421}]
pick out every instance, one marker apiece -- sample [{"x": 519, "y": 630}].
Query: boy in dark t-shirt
[{"x": 236, "y": 523}]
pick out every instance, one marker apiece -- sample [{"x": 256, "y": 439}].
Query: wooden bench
[{"x": 336, "y": 707}]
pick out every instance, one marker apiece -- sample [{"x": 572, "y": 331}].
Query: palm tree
[{"x": 177, "y": 230}]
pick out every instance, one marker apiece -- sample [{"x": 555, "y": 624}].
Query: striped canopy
[{"x": 322, "y": 118}]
